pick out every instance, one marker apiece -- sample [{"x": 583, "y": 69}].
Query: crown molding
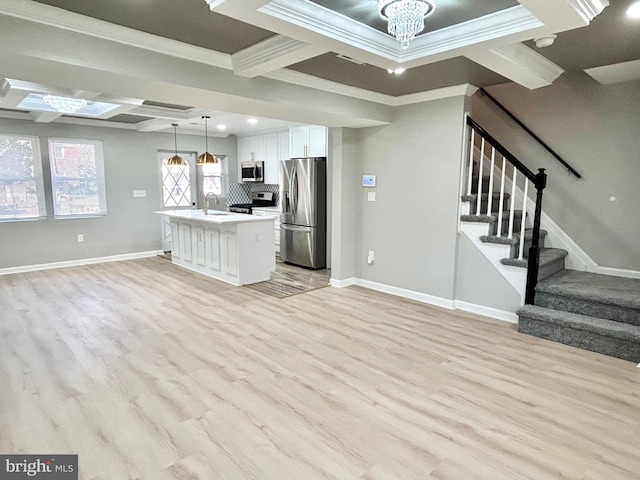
[
  {"x": 272, "y": 54},
  {"x": 59, "y": 18},
  {"x": 302, "y": 79},
  {"x": 333, "y": 25},
  {"x": 589, "y": 9},
  {"x": 489, "y": 27}
]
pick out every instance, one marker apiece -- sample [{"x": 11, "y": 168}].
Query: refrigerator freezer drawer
[{"x": 304, "y": 246}]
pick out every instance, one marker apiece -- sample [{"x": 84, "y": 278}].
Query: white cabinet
[
  {"x": 197, "y": 237},
  {"x": 271, "y": 158},
  {"x": 275, "y": 214},
  {"x": 212, "y": 249},
  {"x": 230, "y": 253},
  {"x": 238, "y": 249},
  {"x": 175, "y": 239},
  {"x": 185, "y": 242},
  {"x": 308, "y": 141},
  {"x": 270, "y": 149}
]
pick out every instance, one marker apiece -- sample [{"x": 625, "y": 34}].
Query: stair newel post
[{"x": 534, "y": 252}]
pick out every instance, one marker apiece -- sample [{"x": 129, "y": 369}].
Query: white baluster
[
  {"x": 490, "y": 192},
  {"x": 480, "y": 171},
  {"x": 513, "y": 203},
  {"x": 501, "y": 207},
  {"x": 471, "y": 150},
  {"x": 524, "y": 212}
]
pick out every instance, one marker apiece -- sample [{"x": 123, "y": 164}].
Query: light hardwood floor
[{"x": 151, "y": 372}]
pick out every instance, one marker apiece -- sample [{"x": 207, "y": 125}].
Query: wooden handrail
[{"x": 533, "y": 135}]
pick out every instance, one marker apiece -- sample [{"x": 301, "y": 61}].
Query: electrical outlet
[
  {"x": 371, "y": 196},
  {"x": 80, "y": 238},
  {"x": 370, "y": 257}
]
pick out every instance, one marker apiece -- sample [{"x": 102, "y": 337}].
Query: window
[
  {"x": 21, "y": 186},
  {"x": 213, "y": 177},
  {"x": 77, "y": 178},
  {"x": 176, "y": 182}
]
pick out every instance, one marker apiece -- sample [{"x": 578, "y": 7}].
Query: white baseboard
[
  {"x": 428, "y": 299},
  {"x": 616, "y": 272},
  {"x": 76, "y": 263},
  {"x": 486, "y": 311},
  {"x": 347, "y": 282}
]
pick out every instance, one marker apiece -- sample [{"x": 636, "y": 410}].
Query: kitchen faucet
[{"x": 205, "y": 210}]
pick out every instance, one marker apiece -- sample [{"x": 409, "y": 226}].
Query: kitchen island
[{"x": 232, "y": 247}]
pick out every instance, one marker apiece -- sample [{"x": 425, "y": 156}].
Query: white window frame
[
  {"x": 224, "y": 177},
  {"x": 99, "y": 177},
  {"x": 36, "y": 177}
]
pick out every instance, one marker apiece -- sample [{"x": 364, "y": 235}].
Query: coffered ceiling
[{"x": 308, "y": 61}]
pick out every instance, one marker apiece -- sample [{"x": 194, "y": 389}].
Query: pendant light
[
  {"x": 206, "y": 158},
  {"x": 176, "y": 159}
]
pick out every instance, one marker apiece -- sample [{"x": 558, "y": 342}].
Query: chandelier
[
  {"x": 405, "y": 17},
  {"x": 64, "y": 104}
]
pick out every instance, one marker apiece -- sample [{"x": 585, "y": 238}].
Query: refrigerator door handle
[
  {"x": 294, "y": 191},
  {"x": 294, "y": 228}
]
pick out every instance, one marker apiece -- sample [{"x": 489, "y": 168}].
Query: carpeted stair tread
[
  {"x": 601, "y": 326},
  {"x": 590, "y": 333},
  {"x": 504, "y": 240},
  {"x": 547, "y": 255},
  {"x": 606, "y": 289}
]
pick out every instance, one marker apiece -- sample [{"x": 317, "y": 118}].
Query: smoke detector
[{"x": 545, "y": 41}]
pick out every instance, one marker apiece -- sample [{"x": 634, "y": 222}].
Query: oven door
[{"x": 253, "y": 171}]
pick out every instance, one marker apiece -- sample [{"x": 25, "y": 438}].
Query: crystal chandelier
[
  {"x": 405, "y": 17},
  {"x": 64, "y": 104}
]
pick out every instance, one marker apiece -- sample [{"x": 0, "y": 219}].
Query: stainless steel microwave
[{"x": 252, "y": 171}]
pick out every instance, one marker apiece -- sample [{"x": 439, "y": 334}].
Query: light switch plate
[
  {"x": 371, "y": 196},
  {"x": 139, "y": 193}
]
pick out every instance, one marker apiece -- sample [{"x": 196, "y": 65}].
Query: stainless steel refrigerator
[{"x": 303, "y": 211}]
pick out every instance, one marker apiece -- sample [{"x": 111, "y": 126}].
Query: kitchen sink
[{"x": 218, "y": 213}]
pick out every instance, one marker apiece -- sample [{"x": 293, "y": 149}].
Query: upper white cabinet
[
  {"x": 308, "y": 141},
  {"x": 270, "y": 149}
]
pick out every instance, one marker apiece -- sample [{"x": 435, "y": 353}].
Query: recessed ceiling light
[
  {"x": 397, "y": 71},
  {"x": 221, "y": 127},
  {"x": 252, "y": 121},
  {"x": 633, "y": 11}
]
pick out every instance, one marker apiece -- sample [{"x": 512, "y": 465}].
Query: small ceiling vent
[{"x": 349, "y": 59}]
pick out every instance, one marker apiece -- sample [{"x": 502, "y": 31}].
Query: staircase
[{"x": 595, "y": 312}]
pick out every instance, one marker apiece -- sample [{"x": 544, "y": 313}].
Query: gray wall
[
  {"x": 412, "y": 225},
  {"x": 346, "y": 203},
  {"x": 478, "y": 282},
  {"x": 595, "y": 128},
  {"x": 130, "y": 160}
]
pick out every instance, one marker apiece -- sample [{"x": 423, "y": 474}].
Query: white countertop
[
  {"x": 214, "y": 216},
  {"x": 268, "y": 209}
]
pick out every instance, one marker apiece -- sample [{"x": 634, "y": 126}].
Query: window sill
[
  {"x": 71, "y": 217},
  {"x": 18, "y": 219}
]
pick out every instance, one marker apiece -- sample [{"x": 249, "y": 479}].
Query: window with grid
[
  {"x": 77, "y": 178},
  {"x": 21, "y": 185},
  {"x": 214, "y": 177},
  {"x": 176, "y": 184}
]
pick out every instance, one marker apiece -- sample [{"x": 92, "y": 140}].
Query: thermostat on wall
[{"x": 368, "y": 180}]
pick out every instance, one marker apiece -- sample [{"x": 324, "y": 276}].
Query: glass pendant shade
[
  {"x": 405, "y": 17},
  {"x": 176, "y": 159},
  {"x": 207, "y": 158}
]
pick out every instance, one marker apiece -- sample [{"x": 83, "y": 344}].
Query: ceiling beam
[
  {"x": 520, "y": 64},
  {"x": 272, "y": 54}
]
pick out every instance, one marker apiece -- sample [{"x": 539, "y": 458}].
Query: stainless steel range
[{"x": 258, "y": 199}]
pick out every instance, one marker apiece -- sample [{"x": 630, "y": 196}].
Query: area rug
[{"x": 289, "y": 280}]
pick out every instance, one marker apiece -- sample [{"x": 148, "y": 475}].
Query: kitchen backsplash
[{"x": 241, "y": 192}]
